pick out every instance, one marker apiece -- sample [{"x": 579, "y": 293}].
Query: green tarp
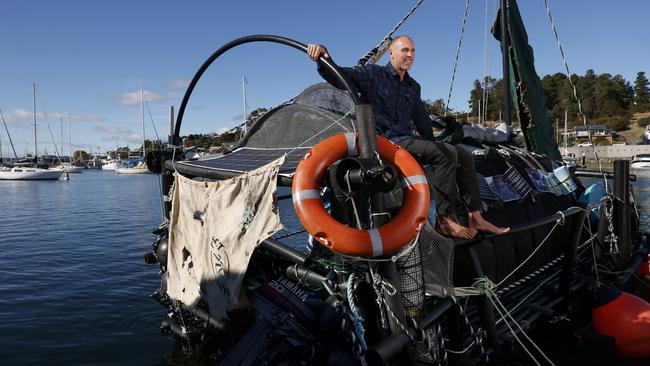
[{"x": 526, "y": 88}]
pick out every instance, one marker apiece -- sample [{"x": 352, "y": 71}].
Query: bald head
[{"x": 402, "y": 54}]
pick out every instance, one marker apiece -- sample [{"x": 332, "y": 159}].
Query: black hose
[{"x": 248, "y": 39}]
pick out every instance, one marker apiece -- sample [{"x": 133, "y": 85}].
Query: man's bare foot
[
  {"x": 447, "y": 226},
  {"x": 477, "y": 222}
]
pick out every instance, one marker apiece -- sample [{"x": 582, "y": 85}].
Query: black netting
[
  {"x": 317, "y": 113},
  {"x": 410, "y": 281},
  {"x": 323, "y": 95},
  {"x": 437, "y": 254}
]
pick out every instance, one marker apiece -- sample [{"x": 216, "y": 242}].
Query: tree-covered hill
[{"x": 605, "y": 99}]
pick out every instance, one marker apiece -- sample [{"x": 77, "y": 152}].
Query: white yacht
[
  {"x": 68, "y": 168},
  {"x": 110, "y": 165},
  {"x": 28, "y": 173},
  {"x": 641, "y": 161},
  {"x": 141, "y": 166},
  {"x": 24, "y": 171},
  {"x": 646, "y": 133}
]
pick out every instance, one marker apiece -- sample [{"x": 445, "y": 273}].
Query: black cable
[{"x": 328, "y": 63}]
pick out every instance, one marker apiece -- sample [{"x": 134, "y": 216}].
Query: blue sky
[{"x": 89, "y": 59}]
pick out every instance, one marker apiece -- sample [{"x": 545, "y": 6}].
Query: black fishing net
[
  {"x": 437, "y": 253},
  {"x": 317, "y": 113}
]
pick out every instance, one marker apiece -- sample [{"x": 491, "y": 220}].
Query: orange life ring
[{"x": 385, "y": 240}]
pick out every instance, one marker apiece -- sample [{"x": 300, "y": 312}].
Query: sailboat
[
  {"x": 376, "y": 284},
  {"x": 24, "y": 172},
  {"x": 139, "y": 167},
  {"x": 67, "y": 167},
  {"x": 570, "y": 160}
]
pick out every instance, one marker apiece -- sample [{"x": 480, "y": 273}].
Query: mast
[
  {"x": 69, "y": 139},
  {"x": 61, "y": 139},
  {"x": 565, "y": 135},
  {"x": 34, "y": 110},
  {"x": 243, "y": 86},
  {"x": 505, "y": 46},
  {"x": 171, "y": 125},
  {"x": 142, "y": 110}
]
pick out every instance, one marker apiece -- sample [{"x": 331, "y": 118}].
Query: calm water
[{"x": 73, "y": 285}]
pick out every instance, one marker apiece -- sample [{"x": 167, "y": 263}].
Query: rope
[
  {"x": 575, "y": 93},
  {"x": 350, "y": 197},
  {"x": 477, "y": 335},
  {"x": 501, "y": 309},
  {"x": 382, "y": 286},
  {"x": 292, "y": 233},
  {"x": 531, "y": 254},
  {"x": 10, "y": 141},
  {"x": 370, "y": 54},
  {"x": 357, "y": 320},
  {"x": 460, "y": 42},
  {"x": 146, "y": 103}
]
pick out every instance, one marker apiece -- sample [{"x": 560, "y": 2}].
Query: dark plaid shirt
[{"x": 395, "y": 103}]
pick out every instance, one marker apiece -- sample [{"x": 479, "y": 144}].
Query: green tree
[
  {"x": 475, "y": 97},
  {"x": 81, "y": 155},
  {"x": 641, "y": 92},
  {"x": 586, "y": 86},
  {"x": 436, "y": 107},
  {"x": 151, "y": 145}
]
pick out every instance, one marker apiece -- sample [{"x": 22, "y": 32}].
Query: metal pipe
[
  {"x": 529, "y": 225},
  {"x": 366, "y": 129},
  {"x": 485, "y": 308},
  {"x": 284, "y": 251},
  {"x": 195, "y": 171},
  {"x": 34, "y": 109},
  {"x": 621, "y": 212},
  {"x": 597, "y": 174}
]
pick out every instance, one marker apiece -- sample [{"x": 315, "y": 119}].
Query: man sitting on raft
[{"x": 395, "y": 98}]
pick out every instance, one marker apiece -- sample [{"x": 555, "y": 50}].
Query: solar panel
[{"x": 248, "y": 158}]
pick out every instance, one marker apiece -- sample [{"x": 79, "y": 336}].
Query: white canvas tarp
[{"x": 214, "y": 228}]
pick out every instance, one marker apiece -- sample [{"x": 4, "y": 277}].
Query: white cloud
[
  {"x": 18, "y": 115},
  {"x": 134, "y": 138},
  {"x": 133, "y": 97},
  {"x": 113, "y": 130},
  {"x": 177, "y": 84},
  {"x": 119, "y": 134}
]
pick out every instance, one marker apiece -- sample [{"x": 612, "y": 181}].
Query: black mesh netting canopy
[{"x": 317, "y": 113}]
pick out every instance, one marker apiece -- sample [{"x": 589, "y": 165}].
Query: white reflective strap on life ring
[
  {"x": 412, "y": 180},
  {"x": 377, "y": 244},
  {"x": 305, "y": 194},
  {"x": 351, "y": 139}
]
